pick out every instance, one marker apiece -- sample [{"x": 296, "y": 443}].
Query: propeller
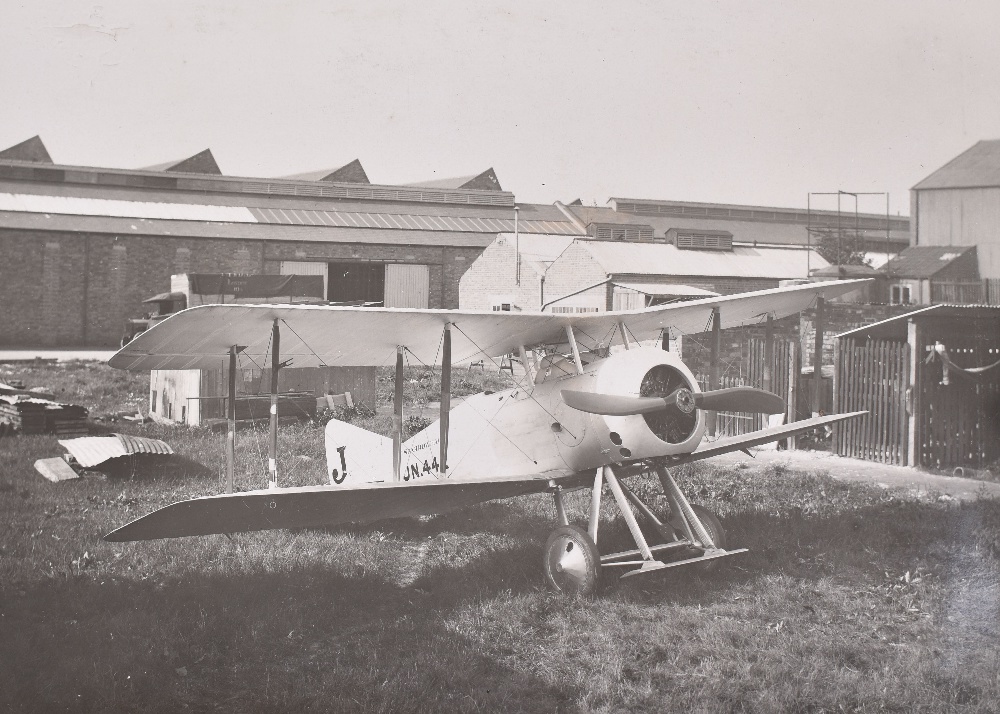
[{"x": 732, "y": 399}]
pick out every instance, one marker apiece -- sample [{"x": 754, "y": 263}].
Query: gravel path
[{"x": 896, "y": 477}]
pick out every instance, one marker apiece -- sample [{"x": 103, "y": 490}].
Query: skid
[{"x": 652, "y": 565}]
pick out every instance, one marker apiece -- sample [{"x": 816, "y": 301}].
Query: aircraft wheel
[
  {"x": 715, "y": 529},
  {"x": 572, "y": 563}
]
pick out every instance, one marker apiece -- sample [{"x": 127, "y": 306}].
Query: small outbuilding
[{"x": 930, "y": 381}]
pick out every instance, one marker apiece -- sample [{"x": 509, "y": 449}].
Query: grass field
[{"x": 850, "y": 599}]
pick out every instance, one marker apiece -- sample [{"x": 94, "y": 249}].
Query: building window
[
  {"x": 900, "y": 295},
  {"x": 502, "y": 307},
  {"x": 573, "y": 309},
  {"x": 152, "y": 402}
]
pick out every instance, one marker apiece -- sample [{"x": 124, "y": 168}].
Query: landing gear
[
  {"x": 693, "y": 535},
  {"x": 572, "y": 563},
  {"x": 715, "y": 530}
]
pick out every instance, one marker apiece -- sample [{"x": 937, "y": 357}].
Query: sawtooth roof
[
  {"x": 976, "y": 167},
  {"x": 486, "y": 181},
  {"x": 28, "y": 150},
  {"x": 201, "y": 163}
]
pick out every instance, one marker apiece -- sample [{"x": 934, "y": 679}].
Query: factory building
[{"x": 82, "y": 247}]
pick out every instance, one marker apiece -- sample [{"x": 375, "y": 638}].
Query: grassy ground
[{"x": 850, "y": 599}]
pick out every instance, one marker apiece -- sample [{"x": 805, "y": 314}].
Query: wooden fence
[
  {"x": 972, "y": 292},
  {"x": 783, "y": 381},
  {"x": 872, "y": 375}
]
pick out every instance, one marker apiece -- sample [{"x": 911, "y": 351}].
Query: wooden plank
[
  {"x": 868, "y": 385},
  {"x": 55, "y": 470},
  {"x": 880, "y": 401}
]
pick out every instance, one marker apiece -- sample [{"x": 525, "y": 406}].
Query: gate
[{"x": 872, "y": 376}]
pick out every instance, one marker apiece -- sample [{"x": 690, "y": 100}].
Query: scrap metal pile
[{"x": 25, "y": 412}]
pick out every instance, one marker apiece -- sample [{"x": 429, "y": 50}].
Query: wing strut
[
  {"x": 231, "y": 420},
  {"x": 272, "y": 443},
  {"x": 445, "y": 397},
  {"x": 712, "y": 416},
  {"x": 397, "y": 416},
  {"x": 576, "y": 350}
]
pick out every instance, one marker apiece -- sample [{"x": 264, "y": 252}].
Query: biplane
[{"x": 596, "y": 405}]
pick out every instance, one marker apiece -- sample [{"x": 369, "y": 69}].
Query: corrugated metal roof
[
  {"x": 93, "y": 450},
  {"x": 406, "y": 221},
  {"x": 241, "y": 231},
  {"x": 619, "y": 258},
  {"x": 895, "y": 328},
  {"x": 924, "y": 261},
  {"x": 78, "y": 206},
  {"x": 976, "y": 167}
]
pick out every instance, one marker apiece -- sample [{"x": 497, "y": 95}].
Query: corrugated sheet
[
  {"x": 77, "y": 206},
  {"x": 742, "y": 262},
  {"x": 94, "y": 450},
  {"x": 978, "y": 167}
]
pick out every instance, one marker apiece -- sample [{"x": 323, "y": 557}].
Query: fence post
[
  {"x": 913, "y": 397},
  {"x": 793, "y": 389}
]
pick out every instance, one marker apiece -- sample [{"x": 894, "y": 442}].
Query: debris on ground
[
  {"x": 90, "y": 451},
  {"x": 20, "y": 413}
]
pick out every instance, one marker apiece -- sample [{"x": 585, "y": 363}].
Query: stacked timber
[{"x": 31, "y": 415}]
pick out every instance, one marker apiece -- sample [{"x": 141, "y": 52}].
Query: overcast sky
[{"x": 728, "y": 102}]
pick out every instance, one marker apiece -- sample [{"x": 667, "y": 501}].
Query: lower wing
[
  {"x": 315, "y": 506},
  {"x": 764, "y": 436}
]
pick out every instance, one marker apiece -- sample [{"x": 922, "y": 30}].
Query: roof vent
[
  {"x": 620, "y": 231},
  {"x": 701, "y": 239}
]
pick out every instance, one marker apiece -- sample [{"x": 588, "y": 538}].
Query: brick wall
[
  {"x": 576, "y": 268},
  {"x": 74, "y": 289},
  {"x": 493, "y": 274}
]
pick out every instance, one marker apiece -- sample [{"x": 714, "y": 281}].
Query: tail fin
[{"x": 355, "y": 455}]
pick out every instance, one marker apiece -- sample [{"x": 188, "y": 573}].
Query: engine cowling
[{"x": 638, "y": 372}]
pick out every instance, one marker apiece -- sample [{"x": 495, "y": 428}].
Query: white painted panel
[
  {"x": 407, "y": 285},
  {"x": 79, "y": 206},
  {"x": 307, "y": 267}
]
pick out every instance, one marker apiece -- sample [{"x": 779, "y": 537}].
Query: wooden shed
[{"x": 930, "y": 380}]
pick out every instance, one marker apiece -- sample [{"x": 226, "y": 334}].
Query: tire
[{"x": 571, "y": 562}]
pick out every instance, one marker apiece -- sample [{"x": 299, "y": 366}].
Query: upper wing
[
  {"x": 315, "y": 506},
  {"x": 325, "y": 335}
]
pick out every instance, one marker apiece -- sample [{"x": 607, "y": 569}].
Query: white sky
[{"x": 729, "y": 102}]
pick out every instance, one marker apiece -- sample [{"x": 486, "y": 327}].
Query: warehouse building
[
  {"x": 958, "y": 206},
  {"x": 581, "y": 274},
  {"x": 84, "y": 246}
]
